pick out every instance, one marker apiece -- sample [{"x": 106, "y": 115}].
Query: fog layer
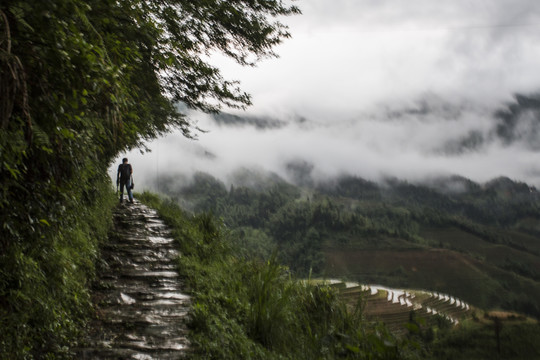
[
  {"x": 411, "y": 89},
  {"x": 428, "y": 140}
]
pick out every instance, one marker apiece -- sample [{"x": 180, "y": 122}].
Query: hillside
[{"x": 478, "y": 242}]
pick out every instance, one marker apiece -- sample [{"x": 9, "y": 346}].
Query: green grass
[
  {"x": 253, "y": 309},
  {"x": 478, "y": 340}
]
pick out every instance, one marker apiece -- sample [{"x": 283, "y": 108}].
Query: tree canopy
[
  {"x": 125, "y": 63},
  {"x": 81, "y": 80}
]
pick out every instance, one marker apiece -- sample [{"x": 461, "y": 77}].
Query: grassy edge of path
[{"x": 254, "y": 309}]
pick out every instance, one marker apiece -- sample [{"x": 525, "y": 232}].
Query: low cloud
[
  {"x": 411, "y": 89},
  {"x": 347, "y": 55},
  {"x": 431, "y": 139}
]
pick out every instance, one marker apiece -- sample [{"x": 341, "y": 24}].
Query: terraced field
[
  {"x": 484, "y": 274},
  {"x": 396, "y": 307}
]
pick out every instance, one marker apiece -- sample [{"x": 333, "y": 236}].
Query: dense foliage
[
  {"x": 44, "y": 281},
  {"x": 80, "y": 82},
  {"x": 486, "y": 236}
]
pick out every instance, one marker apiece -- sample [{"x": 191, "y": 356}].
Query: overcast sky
[{"x": 385, "y": 88}]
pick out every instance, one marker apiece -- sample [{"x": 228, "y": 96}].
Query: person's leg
[
  {"x": 122, "y": 184},
  {"x": 129, "y": 191}
]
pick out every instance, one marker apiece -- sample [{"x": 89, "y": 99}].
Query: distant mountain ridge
[
  {"x": 514, "y": 122},
  {"x": 260, "y": 122}
]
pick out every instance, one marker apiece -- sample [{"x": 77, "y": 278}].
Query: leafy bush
[{"x": 44, "y": 294}]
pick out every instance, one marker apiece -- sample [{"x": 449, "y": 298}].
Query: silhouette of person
[{"x": 124, "y": 178}]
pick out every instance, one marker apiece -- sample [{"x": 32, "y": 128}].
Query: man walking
[{"x": 123, "y": 178}]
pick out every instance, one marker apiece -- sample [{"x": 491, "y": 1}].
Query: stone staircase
[{"x": 141, "y": 309}]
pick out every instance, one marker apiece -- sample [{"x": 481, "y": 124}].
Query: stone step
[{"x": 140, "y": 306}]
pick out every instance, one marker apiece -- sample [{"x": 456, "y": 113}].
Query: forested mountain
[{"x": 480, "y": 242}]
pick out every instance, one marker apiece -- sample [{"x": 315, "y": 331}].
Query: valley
[{"x": 480, "y": 244}]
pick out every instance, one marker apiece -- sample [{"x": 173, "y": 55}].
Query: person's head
[{"x": 124, "y": 161}]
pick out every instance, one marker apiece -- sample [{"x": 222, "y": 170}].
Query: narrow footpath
[{"x": 141, "y": 308}]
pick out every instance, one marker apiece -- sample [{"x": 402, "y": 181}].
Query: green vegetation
[
  {"x": 248, "y": 307},
  {"x": 82, "y": 81},
  {"x": 44, "y": 283},
  {"x": 255, "y": 309},
  {"x": 479, "y": 243},
  {"x": 488, "y": 338}
]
